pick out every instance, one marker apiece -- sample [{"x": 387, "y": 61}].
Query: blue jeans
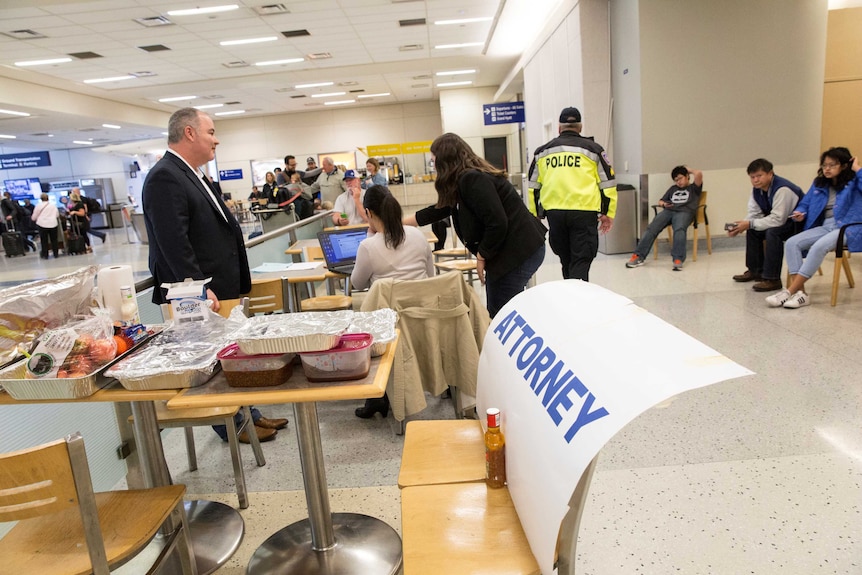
[
  {"x": 817, "y": 242},
  {"x": 679, "y": 221},
  {"x": 499, "y": 291},
  {"x": 221, "y": 430}
]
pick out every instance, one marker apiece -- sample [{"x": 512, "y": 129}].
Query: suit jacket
[{"x": 188, "y": 236}]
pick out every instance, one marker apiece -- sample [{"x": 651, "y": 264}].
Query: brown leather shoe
[
  {"x": 767, "y": 285},
  {"x": 271, "y": 423},
  {"x": 263, "y": 434},
  {"x": 746, "y": 277}
]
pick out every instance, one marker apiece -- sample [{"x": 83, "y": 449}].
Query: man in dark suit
[{"x": 191, "y": 231}]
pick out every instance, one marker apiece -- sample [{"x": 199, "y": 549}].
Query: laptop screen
[{"x": 340, "y": 246}]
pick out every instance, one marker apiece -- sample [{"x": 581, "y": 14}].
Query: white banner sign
[{"x": 570, "y": 364}]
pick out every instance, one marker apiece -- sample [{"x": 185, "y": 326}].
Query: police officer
[{"x": 572, "y": 184}]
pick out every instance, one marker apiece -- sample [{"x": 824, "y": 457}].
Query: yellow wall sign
[
  {"x": 417, "y": 147},
  {"x": 384, "y": 150}
]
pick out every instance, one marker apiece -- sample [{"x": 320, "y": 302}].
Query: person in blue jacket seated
[{"x": 834, "y": 199}]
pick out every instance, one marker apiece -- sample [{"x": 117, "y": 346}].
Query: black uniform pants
[
  {"x": 764, "y": 250},
  {"x": 574, "y": 237}
]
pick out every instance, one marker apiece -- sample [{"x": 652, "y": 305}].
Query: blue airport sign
[
  {"x": 505, "y": 113},
  {"x": 24, "y": 160},
  {"x": 230, "y": 174}
]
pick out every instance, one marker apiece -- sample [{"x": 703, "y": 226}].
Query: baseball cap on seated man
[
  {"x": 310, "y": 160},
  {"x": 570, "y": 116},
  {"x": 349, "y": 175}
]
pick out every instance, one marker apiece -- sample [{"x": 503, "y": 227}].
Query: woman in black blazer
[{"x": 489, "y": 217}]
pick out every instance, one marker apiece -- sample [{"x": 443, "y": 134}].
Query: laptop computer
[{"x": 339, "y": 248}]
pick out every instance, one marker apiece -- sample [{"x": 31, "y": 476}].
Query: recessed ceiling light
[
  {"x": 82, "y": 142},
  {"x": 43, "y": 62},
  {"x": 316, "y": 85},
  {"x": 337, "y": 102},
  {"x": 50, "y": 135},
  {"x": 449, "y": 84},
  {"x": 456, "y": 72},
  {"x": 277, "y": 62},
  {"x": 177, "y": 98},
  {"x": 230, "y": 113},
  {"x": 327, "y": 95},
  {"x": 7, "y": 137},
  {"x": 111, "y": 79},
  {"x": 208, "y": 106},
  {"x": 112, "y": 126},
  {"x": 458, "y": 21},
  {"x": 209, "y": 10},
  {"x": 248, "y": 41},
  {"x": 464, "y": 45},
  {"x": 14, "y": 113},
  {"x": 374, "y": 95}
]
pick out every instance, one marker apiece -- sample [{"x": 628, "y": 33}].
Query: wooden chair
[
  {"x": 466, "y": 267},
  {"x": 452, "y": 254},
  {"x": 442, "y": 451},
  {"x": 842, "y": 261},
  {"x": 330, "y": 302},
  {"x": 66, "y": 529},
  {"x": 700, "y": 218},
  {"x": 266, "y": 296}
]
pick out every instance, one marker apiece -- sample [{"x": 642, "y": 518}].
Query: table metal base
[
  {"x": 363, "y": 546},
  {"x": 217, "y": 530}
]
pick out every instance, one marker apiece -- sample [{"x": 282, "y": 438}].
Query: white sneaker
[
  {"x": 797, "y": 300},
  {"x": 778, "y": 299}
]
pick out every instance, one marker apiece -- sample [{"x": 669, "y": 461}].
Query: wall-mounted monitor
[{"x": 24, "y": 188}]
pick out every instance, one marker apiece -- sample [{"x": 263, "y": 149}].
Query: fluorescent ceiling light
[
  {"x": 448, "y": 84},
  {"x": 112, "y": 126},
  {"x": 328, "y": 94},
  {"x": 277, "y": 62},
  {"x": 230, "y": 113},
  {"x": 456, "y": 73},
  {"x": 458, "y": 21},
  {"x": 6, "y": 136},
  {"x": 208, "y": 106},
  {"x": 111, "y": 79},
  {"x": 464, "y": 45},
  {"x": 374, "y": 95},
  {"x": 43, "y": 62},
  {"x": 317, "y": 85},
  {"x": 14, "y": 113},
  {"x": 82, "y": 142},
  {"x": 177, "y": 98},
  {"x": 248, "y": 41},
  {"x": 209, "y": 10},
  {"x": 337, "y": 102},
  {"x": 518, "y": 26}
]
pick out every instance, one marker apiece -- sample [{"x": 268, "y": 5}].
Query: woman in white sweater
[{"x": 392, "y": 250}]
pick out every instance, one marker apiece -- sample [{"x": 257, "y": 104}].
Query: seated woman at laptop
[{"x": 392, "y": 250}]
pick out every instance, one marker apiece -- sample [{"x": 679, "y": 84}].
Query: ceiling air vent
[
  {"x": 420, "y": 85},
  {"x": 319, "y": 56},
  {"x": 409, "y": 47},
  {"x": 24, "y": 34},
  {"x": 236, "y": 64},
  {"x": 412, "y": 22},
  {"x": 295, "y": 96},
  {"x": 270, "y": 9},
  {"x": 153, "y": 22},
  {"x": 348, "y": 83},
  {"x": 213, "y": 97},
  {"x": 154, "y": 48},
  {"x": 232, "y": 103},
  {"x": 85, "y": 55},
  {"x": 422, "y": 77},
  {"x": 359, "y": 91},
  {"x": 295, "y": 33},
  {"x": 144, "y": 74}
]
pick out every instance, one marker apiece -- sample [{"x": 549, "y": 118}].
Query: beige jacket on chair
[{"x": 442, "y": 323}]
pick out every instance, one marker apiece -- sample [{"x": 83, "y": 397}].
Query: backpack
[{"x": 93, "y": 205}]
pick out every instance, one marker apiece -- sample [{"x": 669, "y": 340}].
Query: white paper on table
[
  {"x": 270, "y": 267},
  {"x": 598, "y": 362},
  {"x": 302, "y": 266}
]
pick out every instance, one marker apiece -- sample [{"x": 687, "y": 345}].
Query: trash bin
[{"x": 622, "y": 239}]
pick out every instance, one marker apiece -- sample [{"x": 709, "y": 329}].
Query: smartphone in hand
[{"x": 730, "y": 226}]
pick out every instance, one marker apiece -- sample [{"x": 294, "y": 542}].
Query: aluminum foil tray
[
  {"x": 292, "y": 332},
  {"x": 379, "y": 323},
  {"x": 48, "y": 388},
  {"x": 181, "y": 380}
]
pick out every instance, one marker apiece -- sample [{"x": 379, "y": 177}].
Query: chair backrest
[
  {"x": 314, "y": 254},
  {"x": 48, "y": 479},
  {"x": 701, "y": 208},
  {"x": 227, "y": 305},
  {"x": 266, "y": 296}
]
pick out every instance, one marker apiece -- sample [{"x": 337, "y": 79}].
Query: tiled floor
[{"x": 758, "y": 475}]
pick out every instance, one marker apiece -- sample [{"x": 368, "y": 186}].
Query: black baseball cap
[
  {"x": 570, "y": 116},
  {"x": 310, "y": 160}
]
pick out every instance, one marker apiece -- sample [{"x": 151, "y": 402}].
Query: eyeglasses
[{"x": 829, "y": 166}]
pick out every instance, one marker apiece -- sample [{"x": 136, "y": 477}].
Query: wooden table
[
  {"x": 326, "y": 542},
  {"x": 216, "y": 529}
]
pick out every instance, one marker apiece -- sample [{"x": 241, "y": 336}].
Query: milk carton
[{"x": 188, "y": 300}]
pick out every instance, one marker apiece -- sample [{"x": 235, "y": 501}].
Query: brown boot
[
  {"x": 271, "y": 423},
  {"x": 263, "y": 434}
]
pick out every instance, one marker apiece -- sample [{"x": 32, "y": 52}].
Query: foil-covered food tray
[
  {"x": 380, "y": 323},
  {"x": 293, "y": 332}
]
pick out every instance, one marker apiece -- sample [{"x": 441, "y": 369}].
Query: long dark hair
[
  {"x": 453, "y": 156},
  {"x": 379, "y": 199},
  {"x": 842, "y": 156}
]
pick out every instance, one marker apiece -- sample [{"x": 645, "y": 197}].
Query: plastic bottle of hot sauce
[{"x": 495, "y": 451}]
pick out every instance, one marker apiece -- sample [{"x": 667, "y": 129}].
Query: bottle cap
[{"x": 493, "y": 417}]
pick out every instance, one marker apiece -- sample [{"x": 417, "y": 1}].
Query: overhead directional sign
[
  {"x": 230, "y": 174},
  {"x": 504, "y": 113}
]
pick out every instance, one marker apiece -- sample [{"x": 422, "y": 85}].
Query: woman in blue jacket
[{"x": 834, "y": 199}]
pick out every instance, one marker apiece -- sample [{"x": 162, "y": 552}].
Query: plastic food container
[
  {"x": 350, "y": 359},
  {"x": 262, "y": 370}
]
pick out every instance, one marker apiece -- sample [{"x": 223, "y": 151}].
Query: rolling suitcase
[
  {"x": 75, "y": 243},
  {"x": 13, "y": 242}
]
